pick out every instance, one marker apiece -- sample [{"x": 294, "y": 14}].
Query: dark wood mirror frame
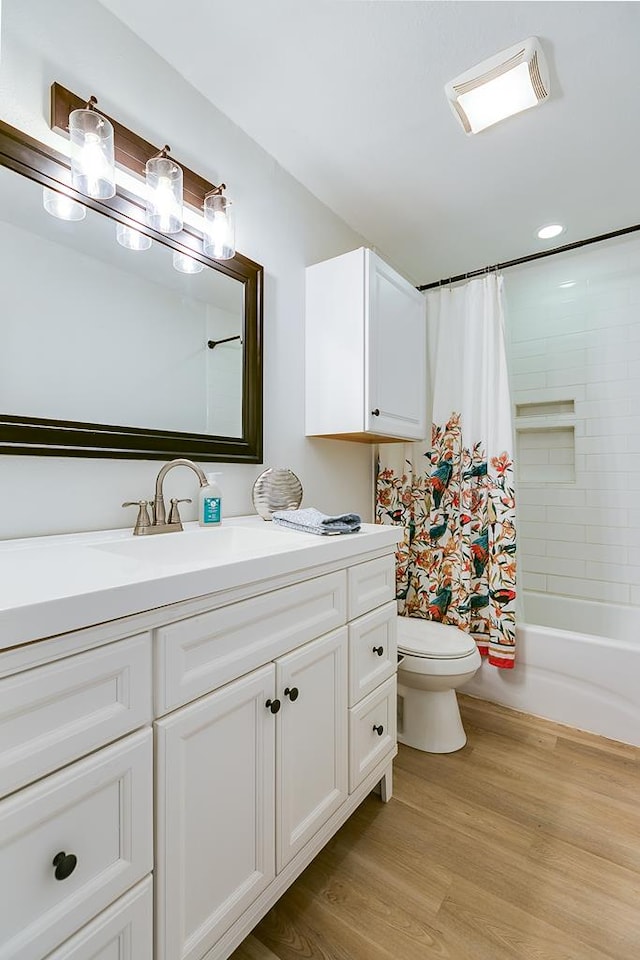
[{"x": 35, "y": 436}]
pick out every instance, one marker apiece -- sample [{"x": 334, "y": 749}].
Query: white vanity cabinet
[
  {"x": 192, "y": 758},
  {"x": 365, "y": 351}
]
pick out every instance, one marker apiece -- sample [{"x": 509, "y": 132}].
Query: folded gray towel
[{"x": 311, "y": 520}]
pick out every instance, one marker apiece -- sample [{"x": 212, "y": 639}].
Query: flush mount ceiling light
[
  {"x": 550, "y": 231},
  {"x": 514, "y": 80}
]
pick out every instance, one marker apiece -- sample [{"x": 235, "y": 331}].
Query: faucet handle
[
  {"x": 143, "y": 520},
  {"x": 174, "y": 513}
]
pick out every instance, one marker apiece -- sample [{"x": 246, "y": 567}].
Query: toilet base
[{"x": 430, "y": 721}]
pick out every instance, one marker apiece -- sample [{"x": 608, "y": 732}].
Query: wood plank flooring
[{"x": 525, "y": 845}]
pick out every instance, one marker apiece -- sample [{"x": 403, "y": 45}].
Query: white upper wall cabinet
[{"x": 365, "y": 351}]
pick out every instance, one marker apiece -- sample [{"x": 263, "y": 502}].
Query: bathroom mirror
[{"x": 113, "y": 352}]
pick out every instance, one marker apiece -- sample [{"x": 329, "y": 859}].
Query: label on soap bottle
[{"x": 211, "y": 509}]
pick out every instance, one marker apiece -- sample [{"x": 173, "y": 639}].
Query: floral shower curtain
[{"x": 455, "y": 498}]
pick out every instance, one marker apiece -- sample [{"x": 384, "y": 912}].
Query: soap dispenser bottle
[{"x": 210, "y": 499}]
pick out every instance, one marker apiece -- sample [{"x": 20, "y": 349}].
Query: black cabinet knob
[
  {"x": 65, "y": 864},
  {"x": 379, "y": 729},
  {"x": 274, "y": 705},
  {"x": 375, "y": 413},
  {"x": 378, "y": 650},
  {"x": 293, "y": 693}
]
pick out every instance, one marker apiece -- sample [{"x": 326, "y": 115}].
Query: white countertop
[{"x": 51, "y": 585}]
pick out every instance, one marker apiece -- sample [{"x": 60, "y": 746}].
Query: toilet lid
[{"x": 426, "y": 638}]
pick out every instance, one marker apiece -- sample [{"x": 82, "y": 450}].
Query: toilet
[{"x": 436, "y": 659}]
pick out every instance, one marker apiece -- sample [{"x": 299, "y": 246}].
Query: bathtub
[{"x": 577, "y": 662}]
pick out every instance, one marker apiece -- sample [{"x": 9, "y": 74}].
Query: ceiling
[{"x": 347, "y": 95}]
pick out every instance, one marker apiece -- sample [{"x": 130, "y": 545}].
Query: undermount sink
[{"x": 198, "y": 547}]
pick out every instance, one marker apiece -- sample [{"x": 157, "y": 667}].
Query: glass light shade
[
  {"x": 61, "y": 206},
  {"x": 219, "y": 239},
  {"x": 186, "y": 264},
  {"x": 164, "y": 195},
  {"x": 132, "y": 239},
  {"x": 92, "y": 157}
]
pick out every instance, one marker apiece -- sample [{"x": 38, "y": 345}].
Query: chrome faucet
[{"x": 158, "y": 522}]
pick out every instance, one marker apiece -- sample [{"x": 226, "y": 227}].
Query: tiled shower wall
[{"x": 573, "y": 333}]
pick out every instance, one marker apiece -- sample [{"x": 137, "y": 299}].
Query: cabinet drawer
[
  {"x": 199, "y": 654},
  {"x": 99, "y": 810},
  {"x": 58, "y": 712},
  {"x": 372, "y": 651},
  {"x": 371, "y": 584},
  {"x": 367, "y": 747},
  {"x": 122, "y": 932}
]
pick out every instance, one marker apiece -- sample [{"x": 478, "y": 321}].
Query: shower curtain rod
[{"x": 532, "y": 256}]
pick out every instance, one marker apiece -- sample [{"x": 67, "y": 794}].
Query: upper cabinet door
[
  {"x": 395, "y": 354},
  {"x": 366, "y": 353}
]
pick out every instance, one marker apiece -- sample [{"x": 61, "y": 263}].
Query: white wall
[
  {"x": 580, "y": 537},
  {"x": 279, "y": 224}
]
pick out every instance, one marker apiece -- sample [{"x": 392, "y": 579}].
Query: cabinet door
[
  {"x": 396, "y": 355},
  {"x": 215, "y": 806},
  {"x": 312, "y": 735}
]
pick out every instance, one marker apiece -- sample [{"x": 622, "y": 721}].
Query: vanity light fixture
[
  {"x": 168, "y": 186},
  {"x": 513, "y": 80},
  {"x": 132, "y": 239},
  {"x": 550, "y": 231},
  {"x": 219, "y": 227},
  {"x": 61, "y": 206},
  {"x": 185, "y": 264},
  {"x": 92, "y": 152},
  {"x": 164, "y": 193}
]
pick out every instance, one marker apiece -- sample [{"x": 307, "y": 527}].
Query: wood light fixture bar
[{"x": 131, "y": 151}]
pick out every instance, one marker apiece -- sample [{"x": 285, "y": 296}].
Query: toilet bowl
[{"x": 437, "y": 659}]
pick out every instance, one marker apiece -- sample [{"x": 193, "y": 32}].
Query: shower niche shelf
[{"x": 545, "y": 441}]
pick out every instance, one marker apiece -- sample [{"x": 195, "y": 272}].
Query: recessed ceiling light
[
  {"x": 511, "y": 81},
  {"x": 550, "y": 230}
]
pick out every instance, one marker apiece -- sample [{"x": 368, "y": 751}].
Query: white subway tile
[
  {"x": 533, "y": 581},
  {"x": 535, "y": 514},
  {"x": 596, "y": 552},
  {"x": 609, "y": 390},
  {"x": 594, "y": 516},
  {"x": 605, "y": 444},
  {"x": 567, "y": 377},
  {"x": 532, "y": 364},
  {"x": 534, "y": 455},
  {"x": 606, "y": 462},
  {"x": 622, "y": 536},
  {"x": 603, "y": 408},
  {"x": 634, "y": 595},
  {"x": 528, "y": 381},
  {"x": 532, "y": 564},
  {"x": 561, "y": 455},
  {"x": 602, "y": 372},
  {"x": 590, "y": 589},
  {"x": 618, "y": 572},
  {"x": 574, "y": 532}
]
